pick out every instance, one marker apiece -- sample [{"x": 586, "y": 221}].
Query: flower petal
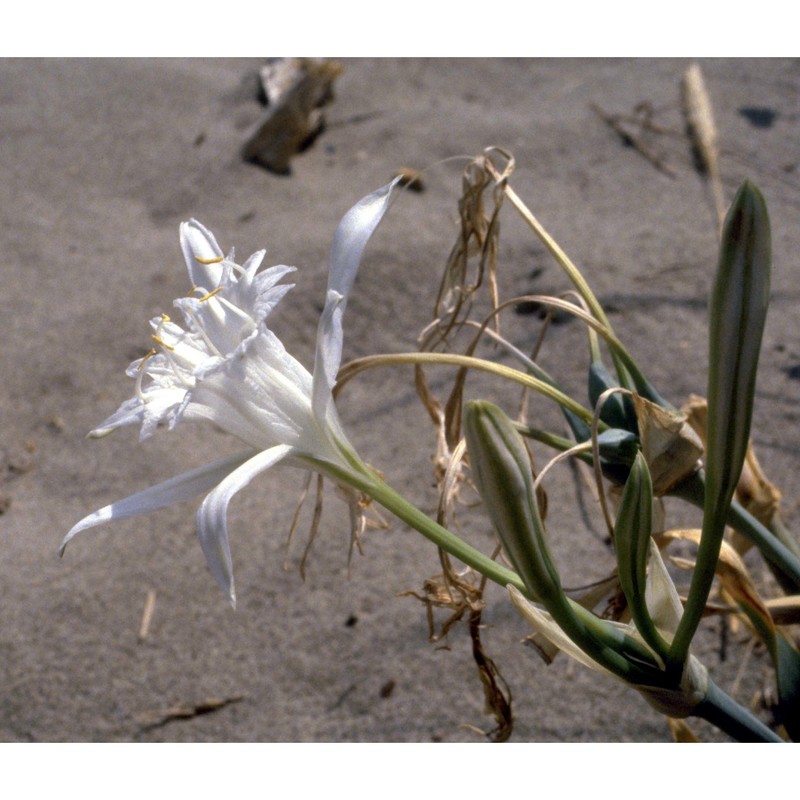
[
  {"x": 352, "y": 235},
  {"x": 175, "y": 490},
  {"x": 197, "y": 242},
  {"x": 212, "y": 525}
]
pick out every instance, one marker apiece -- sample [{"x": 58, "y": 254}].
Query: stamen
[
  {"x": 211, "y": 294},
  {"x": 140, "y": 375},
  {"x": 207, "y": 261},
  {"x": 159, "y": 341},
  {"x": 145, "y": 358}
]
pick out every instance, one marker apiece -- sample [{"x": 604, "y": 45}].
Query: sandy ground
[{"x": 101, "y": 161}]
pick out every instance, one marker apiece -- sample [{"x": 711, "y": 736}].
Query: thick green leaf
[
  {"x": 788, "y": 669},
  {"x": 737, "y": 313},
  {"x": 632, "y": 541}
]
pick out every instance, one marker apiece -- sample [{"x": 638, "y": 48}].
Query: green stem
[
  {"x": 723, "y": 711},
  {"x": 430, "y": 529},
  {"x": 773, "y": 550},
  {"x": 778, "y": 527}
]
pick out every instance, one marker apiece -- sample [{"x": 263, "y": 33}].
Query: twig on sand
[
  {"x": 149, "y": 720},
  {"x": 147, "y": 614}
]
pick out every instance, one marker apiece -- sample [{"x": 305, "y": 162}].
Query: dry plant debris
[{"x": 150, "y": 720}]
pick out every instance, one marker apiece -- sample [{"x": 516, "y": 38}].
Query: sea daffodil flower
[{"x": 227, "y": 367}]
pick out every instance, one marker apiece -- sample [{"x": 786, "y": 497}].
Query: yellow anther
[
  {"x": 207, "y": 261},
  {"x": 145, "y": 359},
  {"x": 211, "y": 294},
  {"x": 165, "y": 318},
  {"x": 159, "y": 341}
]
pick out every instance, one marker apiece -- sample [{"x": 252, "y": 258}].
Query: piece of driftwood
[{"x": 296, "y": 89}]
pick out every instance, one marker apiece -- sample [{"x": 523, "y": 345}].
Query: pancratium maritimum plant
[{"x": 227, "y": 367}]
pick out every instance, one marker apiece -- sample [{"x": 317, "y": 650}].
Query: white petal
[
  {"x": 352, "y": 235},
  {"x": 252, "y": 264},
  {"x": 175, "y": 490},
  {"x": 264, "y": 397},
  {"x": 212, "y": 525},
  {"x": 328, "y": 358},
  {"x": 198, "y": 242}
]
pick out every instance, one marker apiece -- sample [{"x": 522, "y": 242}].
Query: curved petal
[
  {"x": 352, "y": 235},
  {"x": 212, "y": 525},
  {"x": 197, "y": 242},
  {"x": 175, "y": 490}
]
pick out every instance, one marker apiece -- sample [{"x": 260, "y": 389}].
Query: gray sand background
[{"x": 99, "y": 163}]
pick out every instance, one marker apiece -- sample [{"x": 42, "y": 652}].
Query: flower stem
[
  {"x": 429, "y": 528},
  {"x": 723, "y": 711}
]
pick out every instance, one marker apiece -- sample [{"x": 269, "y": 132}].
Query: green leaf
[
  {"x": 632, "y": 541},
  {"x": 788, "y": 668},
  {"x": 737, "y": 313}
]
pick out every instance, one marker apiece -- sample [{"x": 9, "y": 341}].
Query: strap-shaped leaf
[
  {"x": 632, "y": 541},
  {"x": 737, "y": 313}
]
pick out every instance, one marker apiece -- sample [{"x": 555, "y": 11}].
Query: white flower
[{"x": 228, "y": 368}]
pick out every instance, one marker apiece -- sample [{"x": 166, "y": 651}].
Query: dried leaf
[
  {"x": 681, "y": 732},
  {"x": 784, "y": 610},
  {"x": 737, "y": 583},
  {"x": 700, "y": 118},
  {"x": 755, "y": 492},
  {"x": 495, "y": 688},
  {"x": 703, "y": 132},
  {"x": 447, "y": 590},
  {"x": 671, "y": 447}
]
